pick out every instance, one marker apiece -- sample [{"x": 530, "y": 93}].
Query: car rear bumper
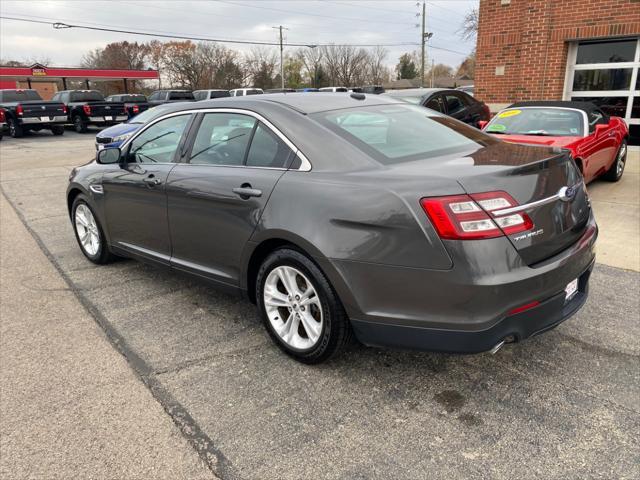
[
  {"x": 56, "y": 120},
  {"x": 513, "y": 328},
  {"x": 102, "y": 120},
  {"x": 466, "y": 308}
]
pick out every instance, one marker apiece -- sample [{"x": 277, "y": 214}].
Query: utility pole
[
  {"x": 423, "y": 39},
  {"x": 281, "y": 56}
]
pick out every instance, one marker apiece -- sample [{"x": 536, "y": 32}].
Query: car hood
[
  {"x": 120, "y": 129},
  {"x": 547, "y": 141}
]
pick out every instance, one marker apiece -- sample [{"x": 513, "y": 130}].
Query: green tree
[{"x": 406, "y": 67}]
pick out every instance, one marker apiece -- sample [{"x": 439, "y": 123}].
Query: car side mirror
[
  {"x": 482, "y": 124},
  {"x": 108, "y": 156}
]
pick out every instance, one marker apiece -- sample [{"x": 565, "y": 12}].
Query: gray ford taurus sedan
[{"x": 340, "y": 214}]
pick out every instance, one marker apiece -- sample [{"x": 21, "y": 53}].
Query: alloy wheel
[
  {"x": 622, "y": 155},
  {"x": 87, "y": 229},
  {"x": 293, "y": 307}
]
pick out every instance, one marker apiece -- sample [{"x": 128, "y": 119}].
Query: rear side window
[
  {"x": 454, "y": 104},
  {"x": 222, "y": 139},
  {"x": 200, "y": 95},
  {"x": 239, "y": 93},
  {"x": 401, "y": 133},
  {"x": 267, "y": 149}
]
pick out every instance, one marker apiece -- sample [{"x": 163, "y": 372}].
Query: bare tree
[
  {"x": 312, "y": 59},
  {"x": 377, "y": 71},
  {"x": 345, "y": 64},
  {"x": 469, "y": 29},
  {"x": 260, "y": 65}
]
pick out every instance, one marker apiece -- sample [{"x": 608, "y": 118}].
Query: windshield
[
  {"x": 401, "y": 133},
  {"x": 147, "y": 115},
  {"x": 537, "y": 121}
]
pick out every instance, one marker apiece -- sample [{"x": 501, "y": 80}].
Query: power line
[
  {"x": 115, "y": 29},
  {"x": 297, "y": 12}
]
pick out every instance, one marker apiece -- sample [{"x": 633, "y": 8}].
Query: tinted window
[
  {"x": 19, "y": 95},
  {"x": 132, "y": 98},
  {"x": 180, "y": 96},
  {"x": 200, "y": 95},
  {"x": 435, "y": 103},
  {"x": 239, "y": 93},
  {"x": 616, "y": 106},
  {"x": 398, "y": 133},
  {"x": 607, "y": 79},
  {"x": 158, "y": 144},
  {"x": 154, "y": 96},
  {"x": 222, "y": 139},
  {"x": 86, "y": 96},
  {"x": 267, "y": 149},
  {"x": 454, "y": 104},
  {"x": 606, "y": 52},
  {"x": 253, "y": 92},
  {"x": 537, "y": 121}
]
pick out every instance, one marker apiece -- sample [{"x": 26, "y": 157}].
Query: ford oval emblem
[{"x": 566, "y": 194}]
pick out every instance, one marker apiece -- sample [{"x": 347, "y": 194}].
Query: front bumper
[
  {"x": 466, "y": 308},
  {"x": 55, "y": 120}
]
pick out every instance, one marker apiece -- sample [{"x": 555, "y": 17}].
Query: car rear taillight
[
  {"x": 472, "y": 217},
  {"x": 2, "y": 117},
  {"x": 135, "y": 109},
  {"x": 87, "y": 109},
  {"x": 19, "y": 110},
  {"x": 64, "y": 109}
]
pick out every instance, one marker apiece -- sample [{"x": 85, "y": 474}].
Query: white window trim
[{"x": 630, "y": 93}]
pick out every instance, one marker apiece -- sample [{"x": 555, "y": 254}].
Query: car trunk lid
[{"x": 41, "y": 108}]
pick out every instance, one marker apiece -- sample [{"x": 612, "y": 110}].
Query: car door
[
  {"x": 135, "y": 194},
  {"x": 598, "y": 148},
  {"x": 216, "y": 197}
]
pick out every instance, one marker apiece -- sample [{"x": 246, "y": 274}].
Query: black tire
[
  {"x": 336, "y": 330},
  {"x": 79, "y": 124},
  {"x": 57, "y": 130},
  {"x": 15, "y": 130},
  {"x": 616, "y": 170},
  {"x": 103, "y": 255}
]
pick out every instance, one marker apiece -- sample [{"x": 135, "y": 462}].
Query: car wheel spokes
[
  {"x": 621, "y": 159},
  {"x": 293, "y": 307},
  {"x": 87, "y": 230}
]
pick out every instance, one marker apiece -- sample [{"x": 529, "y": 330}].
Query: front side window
[
  {"x": 222, "y": 139},
  {"x": 454, "y": 104},
  {"x": 159, "y": 143},
  {"x": 435, "y": 103},
  {"x": 537, "y": 121},
  {"x": 267, "y": 149},
  {"x": 400, "y": 133}
]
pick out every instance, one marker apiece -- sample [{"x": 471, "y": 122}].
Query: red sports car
[{"x": 598, "y": 142}]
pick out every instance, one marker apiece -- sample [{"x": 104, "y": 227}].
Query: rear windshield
[
  {"x": 181, "y": 96},
  {"x": 134, "y": 98},
  {"x": 537, "y": 121},
  {"x": 19, "y": 95},
  {"x": 86, "y": 96},
  {"x": 402, "y": 133}
]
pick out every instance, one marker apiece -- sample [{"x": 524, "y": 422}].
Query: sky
[{"x": 309, "y": 22}]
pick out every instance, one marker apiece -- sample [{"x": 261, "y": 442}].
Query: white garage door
[{"x": 606, "y": 72}]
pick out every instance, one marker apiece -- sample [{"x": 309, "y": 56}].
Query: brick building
[{"x": 561, "y": 49}]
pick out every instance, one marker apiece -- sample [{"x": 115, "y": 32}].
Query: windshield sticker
[
  {"x": 509, "y": 113},
  {"x": 574, "y": 130},
  {"x": 496, "y": 127}
]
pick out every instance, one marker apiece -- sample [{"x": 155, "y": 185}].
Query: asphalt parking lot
[{"x": 562, "y": 405}]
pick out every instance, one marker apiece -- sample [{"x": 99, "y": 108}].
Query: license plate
[
  {"x": 571, "y": 289},
  {"x": 108, "y": 118},
  {"x": 44, "y": 119}
]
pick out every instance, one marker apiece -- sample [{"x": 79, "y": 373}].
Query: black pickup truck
[
  {"x": 88, "y": 107},
  {"x": 25, "y": 110},
  {"x": 134, "y": 103}
]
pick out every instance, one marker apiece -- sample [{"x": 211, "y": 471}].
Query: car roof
[
  {"x": 305, "y": 104},
  {"x": 584, "y": 106},
  {"x": 412, "y": 92}
]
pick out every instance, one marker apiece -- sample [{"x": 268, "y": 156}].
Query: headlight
[{"x": 121, "y": 138}]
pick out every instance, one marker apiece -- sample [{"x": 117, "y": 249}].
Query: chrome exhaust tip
[{"x": 497, "y": 347}]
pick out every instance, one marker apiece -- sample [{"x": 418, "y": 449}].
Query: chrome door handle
[
  {"x": 151, "y": 181},
  {"x": 246, "y": 192}
]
